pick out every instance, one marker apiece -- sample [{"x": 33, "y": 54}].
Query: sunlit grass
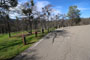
[{"x": 10, "y": 47}]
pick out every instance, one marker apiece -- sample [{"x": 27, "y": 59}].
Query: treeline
[
  {"x": 85, "y": 21},
  {"x": 35, "y": 20},
  {"x": 17, "y": 25}
]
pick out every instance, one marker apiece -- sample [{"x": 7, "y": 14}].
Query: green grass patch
[{"x": 10, "y": 47}]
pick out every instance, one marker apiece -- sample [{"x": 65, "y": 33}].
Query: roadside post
[{"x": 24, "y": 39}]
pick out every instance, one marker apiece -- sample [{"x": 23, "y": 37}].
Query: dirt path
[{"x": 70, "y": 43}]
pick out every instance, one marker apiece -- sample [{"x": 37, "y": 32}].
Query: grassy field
[{"x": 10, "y": 47}]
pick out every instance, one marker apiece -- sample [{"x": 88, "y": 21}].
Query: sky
[{"x": 62, "y": 6}]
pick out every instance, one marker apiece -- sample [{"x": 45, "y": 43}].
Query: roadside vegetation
[
  {"x": 33, "y": 25},
  {"x": 10, "y": 47}
]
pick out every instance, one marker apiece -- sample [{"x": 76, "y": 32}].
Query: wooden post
[
  {"x": 24, "y": 39},
  {"x": 35, "y": 33},
  {"x": 42, "y": 30}
]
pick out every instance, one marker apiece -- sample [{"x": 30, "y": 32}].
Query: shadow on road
[
  {"x": 31, "y": 54},
  {"x": 27, "y": 55},
  {"x": 56, "y": 34},
  {"x": 32, "y": 57}
]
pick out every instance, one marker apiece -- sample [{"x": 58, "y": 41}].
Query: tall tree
[
  {"x": 47, "y": 12},
  {"x": 57, "y": 18},
  {"x": 5, "y": 5},
  {"x": 74, "y": 15},
  {"x": 17, "y": 23},
  {"x": 28, "y": 11}
]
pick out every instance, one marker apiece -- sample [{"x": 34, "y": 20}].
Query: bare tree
[
  {"x": 47, "y": 12},
  {"x": 28, "y": 11},
  {"x": 5, "y": 5}
]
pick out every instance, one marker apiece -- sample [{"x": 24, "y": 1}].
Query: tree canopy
[
  {"x": 74, "y": 14},
  {"x": 8, "y": 3}
]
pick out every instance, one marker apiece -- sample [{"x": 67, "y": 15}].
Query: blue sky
[{"x": 61, "y": 6}]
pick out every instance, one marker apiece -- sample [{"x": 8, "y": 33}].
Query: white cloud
[
  {"x": 13, "y": 16},
  {"x": 82, "y": 9},
  {"x": 18, "y": 7},
  {"x": 22, "y": 1},
  {"x": 41, "y": 4},
  {"x": 16, "y": 11},
  {"x": 57, "y": 10}
]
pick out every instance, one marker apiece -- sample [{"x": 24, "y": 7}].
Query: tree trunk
[
  {"x": 9, "y": 30},
  {"x": 42, "y": 31},
  {"x": 36, "y": 33},
  {"x": 30, "y": 26}
]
